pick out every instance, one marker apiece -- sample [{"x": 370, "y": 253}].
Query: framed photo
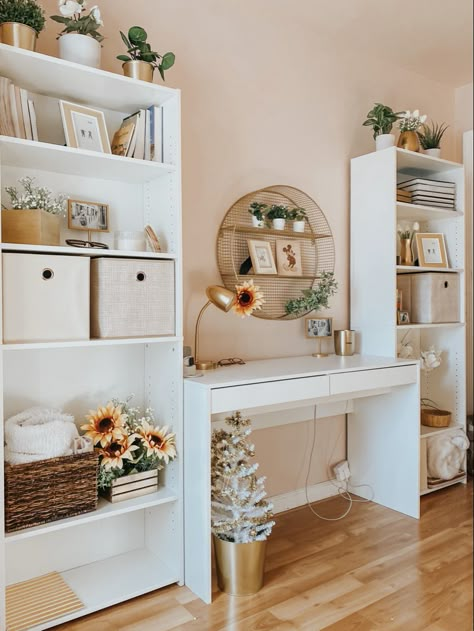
[
  {"x": 431, "y": 249},
  {"x": 84, "y": 127},
  {"x": 403, "y": 317},
  {"x": 262, "y": 256},
  {"x": 90, "y": 216},
  {"x": 288, "y": 256},
  {"x": 318, "y": 327}
]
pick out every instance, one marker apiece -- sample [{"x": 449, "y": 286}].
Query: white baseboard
[{"x": 293, "y": 499}]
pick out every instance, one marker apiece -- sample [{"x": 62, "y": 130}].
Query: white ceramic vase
[
  {"x": 81, "y": 49},
  {"x": 298, "y": 226},
  {"x": 434, "y": 153},
  {"x": 384, "y": 141},
  {"x": 257, "y": 223},
  {"x": 278, "y": 224}
]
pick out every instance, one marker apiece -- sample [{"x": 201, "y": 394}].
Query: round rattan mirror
[{"x": 315, "y": 245}]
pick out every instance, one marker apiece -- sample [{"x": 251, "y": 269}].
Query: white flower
[
  {"x": 416, "y": 113},
  {"x": 70, "y": 8},
  {"x": 423, "y": 118},
  {"x": 95, "y": 13},
  {"x": 416, "y": 226}
]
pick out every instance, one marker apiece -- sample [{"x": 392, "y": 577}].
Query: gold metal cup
[
  {"x": 239, "y": 566},
  {"x": 138, "y": 70},
  {"x": 344, "y": 342},
  {"x": 19, "y": 35},
  {"x": 409, "y": 140}
]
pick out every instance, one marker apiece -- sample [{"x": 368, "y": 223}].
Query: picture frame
[
  {"x": 88, "y": 216},
  {"x": 288, "y": 256},
  {"x": 431, "y": 250},
  {"x": 318, "y": 327},
  {"x": 403, "y": 317},
  {"x": 84, "y": 127},
  {"x": 262, "y": 256}
]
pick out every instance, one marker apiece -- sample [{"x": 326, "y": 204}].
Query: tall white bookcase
[
  {"x": 121, "y": 550},
  {"x": 375, "y": 214}
]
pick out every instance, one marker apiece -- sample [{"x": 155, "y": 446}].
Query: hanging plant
[{"x": 314, "y": 299}]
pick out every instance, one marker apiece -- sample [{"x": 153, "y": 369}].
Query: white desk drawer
[
  {"x": 269, "y": 393},
  {"x": 341, "y": 383}
]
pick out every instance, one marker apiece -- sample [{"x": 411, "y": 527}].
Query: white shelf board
[
  {"x": 414, "y": 163},
  {"x": 30, "y": 154},
  {"x": 92, "y": 252},
  {"x": 114, "y": 580},
  {"x": 426, "y": 431},
  {"x": 121, "y": 341},
  {"x": 410, "y": 269},
  {"x": 104, "y": 510},
  {"x": 437, "y": 325},
  {"x": 417, "y": 212},
  {"x": 62, "y": 79},
  {"x": 444, "y": 485}
]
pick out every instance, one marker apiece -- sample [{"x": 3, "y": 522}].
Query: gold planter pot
[
  {"x": 138, "y": 70},
  {"x": 409, "y": 140},
  {"x": 239, "y": 566},
  {"x": 19, "y": 35}
]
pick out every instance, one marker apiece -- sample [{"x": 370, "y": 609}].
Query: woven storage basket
[
  {"x": 435, "y": 418},
  {"x": 47, "y": 490}
]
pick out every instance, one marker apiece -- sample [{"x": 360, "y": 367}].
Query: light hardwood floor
[{"x": 376, "y": 570}]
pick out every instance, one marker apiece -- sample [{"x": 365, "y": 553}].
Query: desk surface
[{"x": 292, "y": 368}]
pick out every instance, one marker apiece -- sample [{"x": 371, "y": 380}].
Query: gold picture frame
[
  {"x": 431, "y": 250},
  {"x": 84, "y": 127},
  {"x": 262, "y": 256},
  {"x": 88, "y": 216}
]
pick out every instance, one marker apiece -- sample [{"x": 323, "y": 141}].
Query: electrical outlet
[{"x": 342, "y": 471}]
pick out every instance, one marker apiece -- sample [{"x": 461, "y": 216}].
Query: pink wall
[{"x": 265, "y": 101}]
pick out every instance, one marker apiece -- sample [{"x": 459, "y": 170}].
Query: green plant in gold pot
[
  {"x": 21, "y": 21},
  {"x": 409, "y": 123},
  {"x": 141, "y": 61}
]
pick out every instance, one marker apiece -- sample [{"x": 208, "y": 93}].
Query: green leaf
[
  {"x": 137, "y": 34},
  {"x": 168, "y": 61},
  {"x": 124, "y": 58},
  {"x": 125, "y": 40},
  {"x": 149, "y": 57},
  {"x": 60, "y": 19},
  {"x": 162, "y": 73}
]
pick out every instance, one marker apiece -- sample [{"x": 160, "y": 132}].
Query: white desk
[{"x": 383, "y": 430}]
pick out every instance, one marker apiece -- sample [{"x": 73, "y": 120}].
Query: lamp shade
[{"x": 221, "y": 297}]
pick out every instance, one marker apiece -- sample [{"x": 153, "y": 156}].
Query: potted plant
[
  {"x": 277, "y": 215},
  {"x": 131, "y": 447},
  {"x": 141, "y": 61},
  {"x": 405, "y": 234},
  {"x": 299, "y": 218},
  {"x": 241, "y": 519},
  {"x": 257, "y": 211},
  {"x": 381, "y": 118},
  {"x": 21, "y": 21},
  {"x": 313, "y": 299},
  {"x": 35, "y": 216},
  {"x": 430, "y": 138},
  {"x": 80, "y": 39},
  {"x": 409, "y": 123}
]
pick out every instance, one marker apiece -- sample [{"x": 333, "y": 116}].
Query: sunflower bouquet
[{"x": 127, "y": 440}]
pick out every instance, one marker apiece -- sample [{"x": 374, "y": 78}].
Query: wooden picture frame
[
  {"x": 288, "y": 256},
  {"x": 262, "y": 256},
  {"x": 431, "y": 250},
  {"x": 84, "y": 127},
  {"x": 318, "y": 327},
  {"x": 88, "y": 216},
  {"x": 403, "y": 317}
]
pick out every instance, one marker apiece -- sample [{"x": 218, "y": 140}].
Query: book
[
  {"x": 147, "y": 135},
  {"x": 122, "y": 138},
  {"x": 34, "y": 124},
  {"x": 26, "y": 113},
  {"x": 435, "y": 204},
  {"x": 20, "y": 112},
  {"x": 427, "y": 183},
  {"x": 156, "y": 133},
  {"x": 6, "y": 119},
  {"x": 433, "y": 195},
  {"x": 139, "y": 152},
  {"x": 15, "y": 113}
]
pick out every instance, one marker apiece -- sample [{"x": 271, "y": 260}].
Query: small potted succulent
[
  {"x": 430, "y": 138},
  {"x": 299, "y": 218},
  {"x": 21, "y": 21},
  {"x": 409, "y": 123},
  {"x": 141, "y": 61},
  {"x": 80, "y": 39},
  {"x": 277, "y": 215},
  {"x": 381, "y": 118},
  {"x": 257, "y": 210}
]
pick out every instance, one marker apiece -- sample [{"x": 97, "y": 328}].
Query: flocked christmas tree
[{"x": 239, "y": 511}]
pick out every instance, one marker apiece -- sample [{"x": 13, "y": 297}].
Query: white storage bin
[
  {"x": 434, "y": 297},
  {"x": 45, "y": 298},
  {"x": 132, "y": 298}
]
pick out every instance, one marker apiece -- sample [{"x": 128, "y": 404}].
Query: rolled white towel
[{"x": 38, "y": 434}]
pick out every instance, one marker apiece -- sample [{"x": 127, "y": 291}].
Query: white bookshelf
[
  {"x": 111, "y": 554},
  {"x": 375, "y": 214}
]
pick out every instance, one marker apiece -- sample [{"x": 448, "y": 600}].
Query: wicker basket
[
  {"x": 433, "y": 417},
  {"x": 47, "y": 490}
]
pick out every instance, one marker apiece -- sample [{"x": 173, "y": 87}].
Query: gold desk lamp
[{"x": 223, "y": 299}]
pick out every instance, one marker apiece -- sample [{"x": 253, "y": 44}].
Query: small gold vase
[
  {"x": 19, "y": 35},
  {"x": 409, "y": 140},
  {"x": 239, "y": 566},
  {"x": 406, "y": 254},
  {"x": 138, "y": 70}
]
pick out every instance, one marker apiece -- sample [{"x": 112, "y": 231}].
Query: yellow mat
[{"x": 39, "y": 600}]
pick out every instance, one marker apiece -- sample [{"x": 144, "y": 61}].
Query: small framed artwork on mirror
[
  {"x": 288, "y": 255},
  {"x": 262, "y": 256},
  {"x": 318, "y": 328}
]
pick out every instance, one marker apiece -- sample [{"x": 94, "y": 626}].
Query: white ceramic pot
[
  {"x": 81, "y": 49},
  {"x": 278, "y": 224},
  {"x": 298, "y": 226},
  {"x": 257, "y": 223},
  {"x": 435, "y": 153},
  {"x": 384, "y": 141}
]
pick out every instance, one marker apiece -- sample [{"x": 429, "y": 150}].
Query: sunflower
[
  {"x": 157, "y": 441},
  {"x": 105, "y": 424},
  {"x": 249, "y": 298},
  {"x": 113, "y": 455}
]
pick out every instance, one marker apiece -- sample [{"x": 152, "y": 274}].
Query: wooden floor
[{"x": 375, "y": 570}]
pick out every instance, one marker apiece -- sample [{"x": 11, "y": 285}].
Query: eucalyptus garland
[{"x": 314, "y": 299}]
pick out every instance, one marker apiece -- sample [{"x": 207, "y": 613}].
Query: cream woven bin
[
  {"x": 132, "y": 298},
  {"x": 434, "y": 297}
]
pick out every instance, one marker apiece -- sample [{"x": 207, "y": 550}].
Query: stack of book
[
  {"x": 430, "y": 192},
  {"x": 403, "y": 196},
  {"x": 17, "y": 112},
  {"x": 141, "y": 135}
]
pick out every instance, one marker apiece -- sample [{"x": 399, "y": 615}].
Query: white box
[
  {"x": 45, "y": 298},
  {"x": 434, "y": 297},
  {"x": 132, "y": 298}
]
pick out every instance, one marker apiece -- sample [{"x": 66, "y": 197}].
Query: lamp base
[
  {"x": 320, "y": 355},
  {"x": 206, "y": 364}
]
